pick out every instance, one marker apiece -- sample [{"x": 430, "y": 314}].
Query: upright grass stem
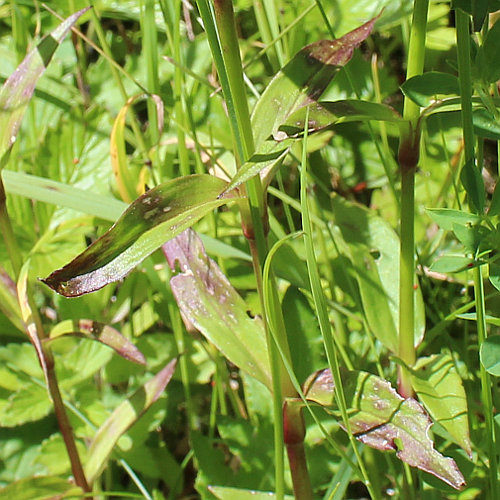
[
  {"x": 464, "y": 71},
  {"x": 408, "y": 160}
]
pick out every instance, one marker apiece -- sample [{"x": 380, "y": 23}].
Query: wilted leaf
[
  {"x": 490, "y": 355},
  {"x": 439, "y": 388},
  {"x": 19, "y": 87},
  {"x": 158, "y": 215},
  {"x": 207, "y": 299},
  {"x": 124, "y": 416},
  {"x": 382, "y": 419},
  {"x": 107, "y": 335},
  {"x": 40, "y": 488}
]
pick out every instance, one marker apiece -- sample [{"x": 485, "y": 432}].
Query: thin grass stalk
[
  {"x": 408, "y": 160},
  {"x": 464, "y": 73},
  {"x": 322, "y": 312}
]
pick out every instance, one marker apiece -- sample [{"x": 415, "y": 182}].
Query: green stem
[
  {"x": 8, "y": 234},
  {"x": 464, "y": 71},
  {"x": 408, "y": 160}
]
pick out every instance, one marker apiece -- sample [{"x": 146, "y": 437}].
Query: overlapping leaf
[
  {"x": 439, "y": 388},
  {"x": 382, "y": 419},
  {"x": 124, "y": 416},
  {"x": 104, "y": 334},
  {"x": 207, "y": 299},
  {"x": 19, "y": 87},
  {"x": 158, "y": 215}
]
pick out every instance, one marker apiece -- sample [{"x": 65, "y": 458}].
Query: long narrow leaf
[
  {"x": 158, "y": 215},
  {"x": 19, "y": 87}
]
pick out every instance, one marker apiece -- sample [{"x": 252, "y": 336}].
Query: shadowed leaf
[
  {"x": 439, "y": 388},
  {"x": 382, "y": 419},
  {"x": 19, "y": 87},
  {"x": 107, "y": 335},
  {"x": 158, "y": 215},
  {"x": 208, "y": 300},
  {"x": 9, "y": 304},
  {"x": 124, "y": 416}
]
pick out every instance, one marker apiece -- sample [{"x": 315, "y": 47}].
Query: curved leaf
[
  {"x": 490, "y": 355},
  {"x": 439, "y": 388},
  {"x": 158, "y": 215},
  {"x": 40, "y": 488},
  {"x": 423, "y": 89},
  {"x": 104, "y": 334},
  {"x": 124, "y": 416},
  {"x": 382, "y": 419},
  {"x": 207, "y": 299},
  {"x": 19, "y": 87}
]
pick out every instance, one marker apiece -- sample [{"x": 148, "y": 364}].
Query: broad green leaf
[
  {"x": 29, "y": 404},
  {"x": 207, "y": 299},
  {"x": 485, "y": 124},
  {"x": 472, "y": 236},
  {"x": 106, "y": 208},
  {"x": 124, "y": 416},
  {"x": 158, "y": 215},
  {"x": 439, "y": 388},
  {"x": 325, "y": 114},
  {"x": 373, "y": 247},
  {"x": 107, "y": 335},
  {"x": 227, "y": 493},
  {"x": 303, "y": 80},
  {"x": 53, "y": 455},
  {"x": 452, "y": 264},
  {"x": 446, "y": 218},
  {"x": 472, "y": 180},
  {"x": 127, "y": 183},
  {"x": 488, "y": 56},
  {"x": 382, "y": 419},
  {"x": 490, "y": 355},
  {"x": 426, "y": 88},
  {"x": 299, "y": 83},
  {"x": 9, "y": 304},
  {"x": 40, "y": 488},
  {"x": 494, "y": 275},
  {"x": 19, "y": 87}
]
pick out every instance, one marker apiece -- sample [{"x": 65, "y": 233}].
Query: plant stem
[
  {"x": 408, "y": 159},
  {"x": 8, "y": 234},
  {"x": 464, "y": 71}
]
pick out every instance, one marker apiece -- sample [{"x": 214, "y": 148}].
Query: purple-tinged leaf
[
  {"x": 299, "y": 83},
  {"x": 439, "y": 388},
  {"x": 107, "y": 335},
  {"x": 207, "y": 299},
  {"x": 158, "y": 215},
  {"x": 124, "y": 416},
  {"x": 19, "y": 87},
  {"x": 382, "y": 419}
]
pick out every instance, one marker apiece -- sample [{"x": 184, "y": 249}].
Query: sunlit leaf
[
  {"x": 446, "y": 218},
  {"x": 40, "y": 488},
  {"x": 452, "y": 264},
  {"x": 227, "y": 493},
  {"x": 299, "y": 83},
  {"x": 158, "y": 215},
  {"x": 207, "y": 299},
  {"x": 382, "y": 419},
  {"x": 127, "y": 183},
  {"x": 28, "y": 404},
  {"x": 440, "y": 390},
  {"x": 19, "y": 87},
  {"x": 325, "y": 114},
  {"x": 107, "y": 335},
  {"x": 490, "y": 355},
  {"x": 124, "y": 416}
]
